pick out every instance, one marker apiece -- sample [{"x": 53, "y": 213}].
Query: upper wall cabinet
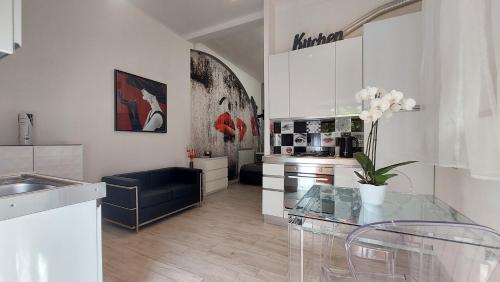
[
  {"x": 319, "y": 81},
  {"x": 349, "y": 75},
  {"x": 10, "y": 26},
  {"x": 312, "y": 81},
  {"x": 279, "y": 87}
]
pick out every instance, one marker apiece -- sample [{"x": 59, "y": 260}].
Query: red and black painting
[
  {"x": 224, "y": 116},
  {"x": 140, "y": 104}
]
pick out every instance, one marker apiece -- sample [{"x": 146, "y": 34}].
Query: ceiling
[{"x": 232, "y": 28}]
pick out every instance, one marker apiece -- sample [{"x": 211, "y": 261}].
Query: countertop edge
[
  {"x": 44, "y": 200},
  {"x": 282, "y": 159}
]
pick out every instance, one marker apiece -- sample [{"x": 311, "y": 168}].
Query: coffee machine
[{"x": 347, "y": 145}]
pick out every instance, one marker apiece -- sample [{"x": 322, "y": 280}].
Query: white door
[
  {"x": 279, "y": 88},
  {"x": 391, "y": 59},
  {"x": 349, "y": 75},
  {"x": 312, "y": 81},
  {"x": 6, "y": 26}
]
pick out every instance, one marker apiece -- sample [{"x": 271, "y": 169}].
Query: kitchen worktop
[
  {"x": 24, "y": 194},
  {"x": 281, "y": 159}
]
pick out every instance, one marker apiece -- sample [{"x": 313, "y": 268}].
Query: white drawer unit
[
  {"x": 273, "y": 183},
  {"x": 16, "y": 159},
  {"x": 272, "y": 203},
  {"x": 214, "y": 173},
  {"x": 273, "y": 169},
  {"x": 64, "y": 161}
]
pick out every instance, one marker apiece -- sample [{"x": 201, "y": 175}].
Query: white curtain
[{"x": 461, "y": 83}]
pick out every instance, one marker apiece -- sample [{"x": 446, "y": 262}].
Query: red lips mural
[
  {"x": 242, "y": 127},
  {"x": 225, "y": 125}
]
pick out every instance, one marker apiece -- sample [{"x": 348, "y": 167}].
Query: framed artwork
[{"x": 140, "y": 104}]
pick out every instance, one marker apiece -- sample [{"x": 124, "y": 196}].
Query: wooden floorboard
[{"x": 224, "y": 240}]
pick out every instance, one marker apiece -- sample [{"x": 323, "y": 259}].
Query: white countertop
[
  {"x": 280, "y": 159},
  {"x": 68, "y": 192}
]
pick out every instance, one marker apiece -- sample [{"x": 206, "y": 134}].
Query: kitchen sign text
[{"x": 300, "y": 42}]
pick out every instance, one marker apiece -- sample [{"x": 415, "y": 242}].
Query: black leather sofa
[{"x": 138, "y": 198}]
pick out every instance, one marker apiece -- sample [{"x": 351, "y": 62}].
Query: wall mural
[{"x": 224, "y": 116}]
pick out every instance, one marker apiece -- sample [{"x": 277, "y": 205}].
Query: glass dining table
[{"x": 322, "y": 219}]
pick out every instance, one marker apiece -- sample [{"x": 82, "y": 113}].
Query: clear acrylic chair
[
  {"x": 335, "y": 270},
  {"x": 424, "y": 251}
]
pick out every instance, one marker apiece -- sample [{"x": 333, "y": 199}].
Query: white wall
[
  {"x": 478, "y": 199},
  {"x": 315, "y": 16},
  {"x": 251, "y": 84},
  {"x": 64, "y": 75}
]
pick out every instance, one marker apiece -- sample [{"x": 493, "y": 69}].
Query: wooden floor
[{"x": 224, "y": 240}]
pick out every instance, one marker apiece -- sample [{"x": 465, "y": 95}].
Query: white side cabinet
[
  {"x": 64, "y": 161},
  {"x": 10, "y": 25},
  {"x": 272, "y": 191},
  {"x": 349, "y": 75},
  {"x": 312, "y": 81},
  {"x": 279, "y": 86},
  {"x": 214, "y": 173}
]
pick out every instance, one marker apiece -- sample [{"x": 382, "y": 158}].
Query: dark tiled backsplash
[{"x": 290, "y": 136}]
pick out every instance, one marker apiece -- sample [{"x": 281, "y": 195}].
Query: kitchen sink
[{"x": 28, "y": 183}]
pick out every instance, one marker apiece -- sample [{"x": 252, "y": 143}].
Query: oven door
[{"x": 297, "y": 185}]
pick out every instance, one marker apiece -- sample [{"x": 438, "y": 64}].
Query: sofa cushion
[
  {"x": 143, "y": 177},
  {"x": 155, "y": 196},
  {"x": 182, "y": 190}
]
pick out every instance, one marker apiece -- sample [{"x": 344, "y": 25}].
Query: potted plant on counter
[{"x": 373, "y": 181}]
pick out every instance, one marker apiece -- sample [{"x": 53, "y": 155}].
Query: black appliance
[
  {"x": 323, "y": 154},
  {"x": 347, "y": 145}
]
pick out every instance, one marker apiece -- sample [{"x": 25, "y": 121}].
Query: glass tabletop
[{"x": 343, "y": 205}]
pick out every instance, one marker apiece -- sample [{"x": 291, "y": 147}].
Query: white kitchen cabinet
[
  {"x": 349, "y": 75},
  {"x": 312, "y": 81},
  {"x": 62, "y": 244},
  {"x": 274, "y": 183},
  {"x": 10, "y": 25},
  {"x": 64, "y": 161},
  {"x": 279, "y": 88},
  {"x": 272, "y": 193},
  {"x": 392, "y": 55},
  {"x": 272, "y": 203}
]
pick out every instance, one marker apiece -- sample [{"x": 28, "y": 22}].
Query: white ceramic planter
[{"x": 371, "y": 194}]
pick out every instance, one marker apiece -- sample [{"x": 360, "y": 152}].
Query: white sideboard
[
  {"x": 215, "y": 172},
  {"x": 64, "y": 161}
]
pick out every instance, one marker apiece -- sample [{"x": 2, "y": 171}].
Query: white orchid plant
[{"x": 382, "y": 105}]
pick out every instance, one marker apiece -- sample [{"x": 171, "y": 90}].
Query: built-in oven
[{"x": 299, "y": 178}]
